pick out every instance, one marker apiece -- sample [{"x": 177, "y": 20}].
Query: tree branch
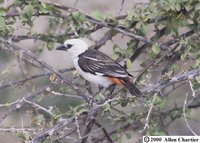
[
  {"x": 176, "y": 79},
  {"x": 44, "y": 65},
  {"x": 21, "y": 81},
  {"x": 21, "y": 102}
]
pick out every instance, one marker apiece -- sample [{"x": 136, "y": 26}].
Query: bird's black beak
[{"x": 61, "y": 47}]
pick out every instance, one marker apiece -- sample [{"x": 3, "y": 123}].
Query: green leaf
[
  {"x": 40, "y": 118},
  {"x": 131, "y": 45},
  {"x": 26, "y": 16},
  {"x": 143, "y": 64},
  {"x": 115, "y": 56},
  {"x": 151, "y": 54},
  {"x": 184, "y": 55},
  {"x": 129, "y": 51},
  {"x": 178, "y": 7},
  {"x": 28, "y": 10},
  {"x": 2, "y": 12},
  {"x": 23, "y": 18},
  {"x": 159, "y": 102},
  {"x": 2, "y": 22},
  {"x": 197, "y": 6},
  {"x": 78, "y": 16},
  {"x": 39, "y": 98},
  {"x": 99, "y": 96},
  {"x": 75, "y": 15},
  {"x": 97, "y": 15},
  {"x": 115, "y": 137},
  {"x": 128, "y": 63},
  {"x": 4, "y": 29},
  {"x": 106, "y": 108},
  {"x": 20, "y": 2},
  {"x": 130, "y": 14},
  {"x": 44, "y": 8},
  {"x": 174, "y": 114},
  {"x": 118, "y": 50},
  {"x": 50, "y": 45},
  {"x": 44, "y": 5},
  {"x": 124, "y": 103},
  {"x": 196, "y": 64},
  {"x": 155, "y": 49},
  {"x": 197, "y": 78},
  {"x": 138, "y": 24},
  {"x": 143, "y": 29}
]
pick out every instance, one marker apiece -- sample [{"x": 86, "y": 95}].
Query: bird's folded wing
[{"x": 99, "y": 63}]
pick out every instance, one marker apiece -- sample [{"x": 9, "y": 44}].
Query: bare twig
[
  {"x": 185, "y": 105},
  {"x": 8, "y": 104},
  {"x": 88, "y": 129},
  {"x": 16, "y": 130},
  {"x": 44, "y": 65},
  {"x": 184, "y": 115},
  {"x": 97, "y": 106},
  {"x": 78, "y": 127},
  {"x": 107, "y": 36},
  {"x": 192, "y": 89},
  {"x": 41, "y": 136},
  {"x": 121, "y": 7},
  {"x": 149, "y": 114},
  {"x": 75, "y": 3},
  {"x": 176, "y": 79},
  {"x": 66, "y": 95},
  {"x": 97, "y": 22},
  {"x": 37, "y": 106},
  {"x": 90, "y": 112},
  {"x": 21, "y": 102},
  {"x": 21, "y": 81},
  {"x": 72, "y": 27},
  {"x": 105, "y": 132}
]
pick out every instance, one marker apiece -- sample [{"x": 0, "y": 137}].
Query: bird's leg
[
  {"x": 109, "y": 95},
  {"x": 101, "y": 89},
  {"x": 111, "y": 89}
]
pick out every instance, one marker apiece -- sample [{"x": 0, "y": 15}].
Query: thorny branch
[
  {"x": 21, "y": 102},
  {"x": 21, "y": 81},
  {"x": 184, "y": 108},
  {"x": 37, "y": 106},
  {"x": 105, "y": 132},
  {"x": 97, "y": 108},
  {"x": 43, "y": 65},
  {"x": 155, "y": 88},
  {"x": 176, "y": 79},
  {"x": 148, "y": 115}
]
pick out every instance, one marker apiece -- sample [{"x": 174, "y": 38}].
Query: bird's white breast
[{"x": 98, "y": 79}]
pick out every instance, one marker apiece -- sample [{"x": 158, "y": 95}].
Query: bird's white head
[{"x": 74, "y": 47}]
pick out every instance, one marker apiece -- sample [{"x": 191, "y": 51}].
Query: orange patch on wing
[{"x": 115, "y": 80}]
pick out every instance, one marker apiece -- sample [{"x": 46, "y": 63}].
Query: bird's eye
[{"x": 69, "y": 46}]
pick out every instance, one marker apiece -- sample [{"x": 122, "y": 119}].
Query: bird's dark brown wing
[{"x": 96, "y": 62}]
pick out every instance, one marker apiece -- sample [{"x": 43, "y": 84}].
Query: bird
[{"x": 97, "y": 67}]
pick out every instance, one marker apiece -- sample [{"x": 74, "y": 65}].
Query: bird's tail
[{"x": 132, "y": 88}]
